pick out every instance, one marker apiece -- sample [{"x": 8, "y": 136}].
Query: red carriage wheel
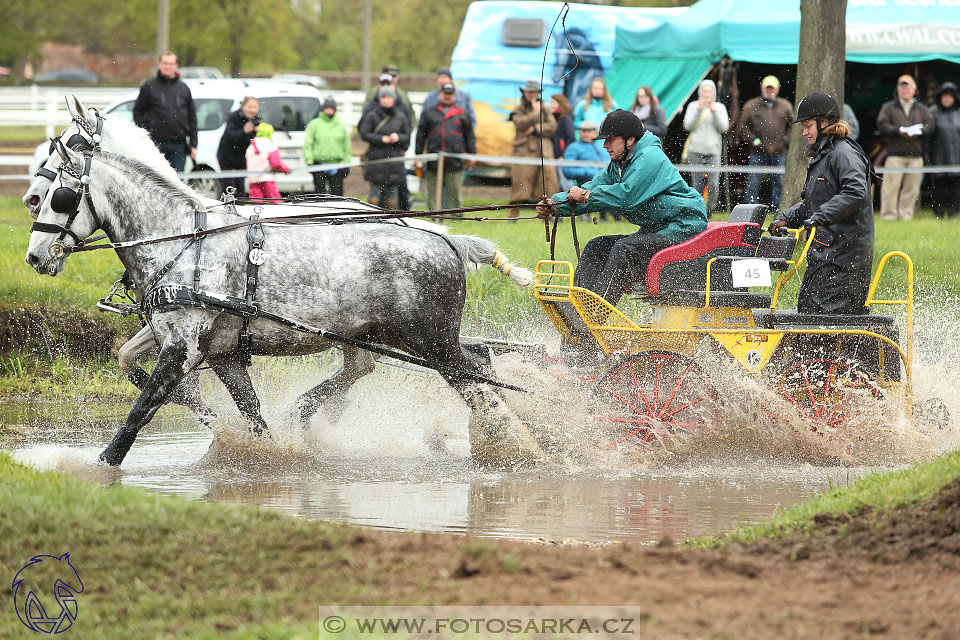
[
  {"x": 828, "y": 394},
  {"x": 654, "y": 395}
]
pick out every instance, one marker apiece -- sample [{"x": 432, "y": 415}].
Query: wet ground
[{"x": 399, "y": 460}]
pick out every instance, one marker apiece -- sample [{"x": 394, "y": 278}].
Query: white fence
[{"x": 45, "y": 106}]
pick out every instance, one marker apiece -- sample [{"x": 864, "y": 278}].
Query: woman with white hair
[{"x": 707, "y": 121}]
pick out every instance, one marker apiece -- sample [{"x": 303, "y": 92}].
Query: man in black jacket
[
  {"x": 445, "y": 127},
  {"x": 165, "y": 109}
]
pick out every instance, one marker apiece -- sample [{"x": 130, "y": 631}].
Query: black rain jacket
[
  {"x": 445, "y": 129},
  {"x": 376, "y": 123},
  {"x": 837, "y": 200},
  {"x": 165, "y": 109},
  {"x": 231, "y": 153}
]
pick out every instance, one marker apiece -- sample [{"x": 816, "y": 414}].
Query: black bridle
[
  {"x": 67, "y": 200},
  {"x": 77, "y": 142}
]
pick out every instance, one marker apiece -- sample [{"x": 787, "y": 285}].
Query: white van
[{"x": 288, "y": 107}]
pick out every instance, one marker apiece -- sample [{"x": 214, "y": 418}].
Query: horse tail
[{"x": 475, "y": 251}]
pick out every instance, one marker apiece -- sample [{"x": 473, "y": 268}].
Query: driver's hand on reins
[
  {"x": 775, "y": 227},
  {"x": 546, "y": 209}
]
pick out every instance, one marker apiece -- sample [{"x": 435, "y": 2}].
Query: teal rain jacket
[{"x": 648, "y": 191}]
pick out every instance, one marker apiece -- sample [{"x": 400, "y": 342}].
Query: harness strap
[
  {"x": 46, "y": 227},
  {"x": 255, "y": 258},
  {"x": 199, "y": 222},
  {"x": 43, "y": 172}
]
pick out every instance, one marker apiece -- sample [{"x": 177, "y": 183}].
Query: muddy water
[{"x": 390, "y": 477}]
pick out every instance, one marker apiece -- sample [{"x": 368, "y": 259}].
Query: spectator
[
  {"x": 263, "y": 155},
  {"x": 945, "y": 149},
  {"x": 387, "y": 130},
  {"x": 584, "y": 149},
  {"x": 851, "y": 118},
  {"x": 327, "y": 142},
  {"x": 765, "y": 127},
  {"x": 535, "y": 128},
  {"x": 707, "y": 121},
  {"x": 445, "y": 127},
  {"x": 165, "y": 109},
  {"x": 391, "y": 74},
  {"x": 595, "y": 105},
  {"x": 651, "y": 114},
  {"x": 905, "y": 124},
  {"x": 462, "y": 97},
  {"x": 240, "y": 129},
  {"x": 565, "y": 134}
]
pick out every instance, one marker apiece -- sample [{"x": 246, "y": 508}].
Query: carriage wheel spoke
[
  {"x": 624, "y": 400},
  {"x": 806, "y": 382},
  {"x": 636, "y": 381},
  {"x": 676, "y": 388},
  {"x": 684, "y": 406}
]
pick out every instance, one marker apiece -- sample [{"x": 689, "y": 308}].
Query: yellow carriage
[{"x": 696, "y": 301}]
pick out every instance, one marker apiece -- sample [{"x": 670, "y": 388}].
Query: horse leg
[
  {"x": 235, "y": 378},
  {"x": 332, "y": 392},
  {"x": 498, "y": 437},
  {"x": 172, "y": 364},
  {"x": 186, "y": 394}
]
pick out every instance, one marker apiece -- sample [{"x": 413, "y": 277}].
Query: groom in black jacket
[{"x": 165, "y": 109}]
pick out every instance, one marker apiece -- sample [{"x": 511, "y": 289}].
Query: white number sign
[{"x": 751, "y": 273}]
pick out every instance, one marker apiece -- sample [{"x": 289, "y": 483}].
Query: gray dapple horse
[
  {"x": 121, "y": 136},
  {"x": 396, "y": 286}
]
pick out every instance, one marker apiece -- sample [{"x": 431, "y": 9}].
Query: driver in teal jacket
[{"x": 641, "y": 184}]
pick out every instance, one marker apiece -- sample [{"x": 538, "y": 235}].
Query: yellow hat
[{"x": 770, "y": 81}]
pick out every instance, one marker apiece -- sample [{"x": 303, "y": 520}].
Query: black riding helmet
[
  {"x": 818, "y": 105},
  {"x": 620, "y": 123}
]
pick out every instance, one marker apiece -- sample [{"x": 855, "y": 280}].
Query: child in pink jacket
[{"x": 263, "y": 155}]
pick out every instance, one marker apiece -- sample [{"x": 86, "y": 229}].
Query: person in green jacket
[
  {"x": 327, "y": 142},
  {"x": 642, "y": 185}
]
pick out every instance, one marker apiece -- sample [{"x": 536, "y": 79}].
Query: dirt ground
[{"x": 893, "y": 576}]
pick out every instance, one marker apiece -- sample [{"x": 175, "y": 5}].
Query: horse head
[
  {"x": 36, "y": 582},
  {"x": 582, "y": 68},
  {"x": 88, "y": 129},
  {"x": 64, "y": 211}
]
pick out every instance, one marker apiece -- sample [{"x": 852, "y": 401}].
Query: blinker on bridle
[
  {"x": 77, "y": 142},
  {"x": 67, "y": 200}
]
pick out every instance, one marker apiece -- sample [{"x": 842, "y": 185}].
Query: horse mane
[
  {"x": 150, "y": 177},
  {"x": 131, "y": 133}
]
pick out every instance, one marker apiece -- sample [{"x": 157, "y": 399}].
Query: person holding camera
[{"x": 241, "y": 127}]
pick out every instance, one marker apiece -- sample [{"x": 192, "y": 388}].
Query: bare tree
[{"x": 820, "y": 68}]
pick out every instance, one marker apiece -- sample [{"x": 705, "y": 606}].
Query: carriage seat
[
  {"x": 789, "y": 318},
  {"x": 683, "y": 267}
]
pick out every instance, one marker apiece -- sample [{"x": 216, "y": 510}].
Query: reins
[{"x": 333, "y": 217}]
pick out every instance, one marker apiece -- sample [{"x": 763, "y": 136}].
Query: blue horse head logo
[{"x": 45, "y": 593}]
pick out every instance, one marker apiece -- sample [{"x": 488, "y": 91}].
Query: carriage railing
[
  {"x": 907, "y": 302},
  {"x": 787, "y": 275}
]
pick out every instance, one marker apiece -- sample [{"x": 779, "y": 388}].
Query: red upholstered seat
[{"x": 718, "y": 235}]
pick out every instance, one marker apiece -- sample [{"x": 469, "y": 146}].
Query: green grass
[
  {"x": 879, "y": 492},
  {"x": 22, "y": 136}
]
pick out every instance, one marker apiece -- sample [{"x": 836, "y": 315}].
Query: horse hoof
[{"x": 110, "y": 458}]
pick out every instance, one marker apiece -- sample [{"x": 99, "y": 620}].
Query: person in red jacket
[{"x": 445, "y": 127}]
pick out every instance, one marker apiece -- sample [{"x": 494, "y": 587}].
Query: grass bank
[{"x": 875, "y": 493}]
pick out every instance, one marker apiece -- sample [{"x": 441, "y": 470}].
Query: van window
[
  {"x": 289, "y": 113},
  {"x": 524, "y": 32},
  {"x": 211, "y": 113}
]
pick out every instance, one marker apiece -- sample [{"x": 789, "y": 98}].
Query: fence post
[
  {"x": 51, "y": 117},
  {"x": 439, "y": 182}
]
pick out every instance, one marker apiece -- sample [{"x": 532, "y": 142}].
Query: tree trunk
[{"x": 821, "y": 67}]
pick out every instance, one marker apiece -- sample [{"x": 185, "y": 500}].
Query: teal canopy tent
[{"x": 673, "y": 56}]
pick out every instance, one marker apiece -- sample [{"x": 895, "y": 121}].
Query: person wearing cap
[
  {"x": 836, "y": 199},
  {"x": 445, "y": 127},
  {"x": 461, "y": 97},
  {"x": 327, "y": 141},
  {"x": 263, "y": 155},
  {"x": 641, "y": 184},
  {"x": 390, "y": 76},
  {"x": 535, "y": 127},
  {"x": 707, "y": 121},
  {"x": 905, "y": 124},
  {"x": 765, "y": 128},
  {"x": 945, "y": 150},
  {"x": 584, "y": 149},
  {"x": 387, "y": 131}
]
